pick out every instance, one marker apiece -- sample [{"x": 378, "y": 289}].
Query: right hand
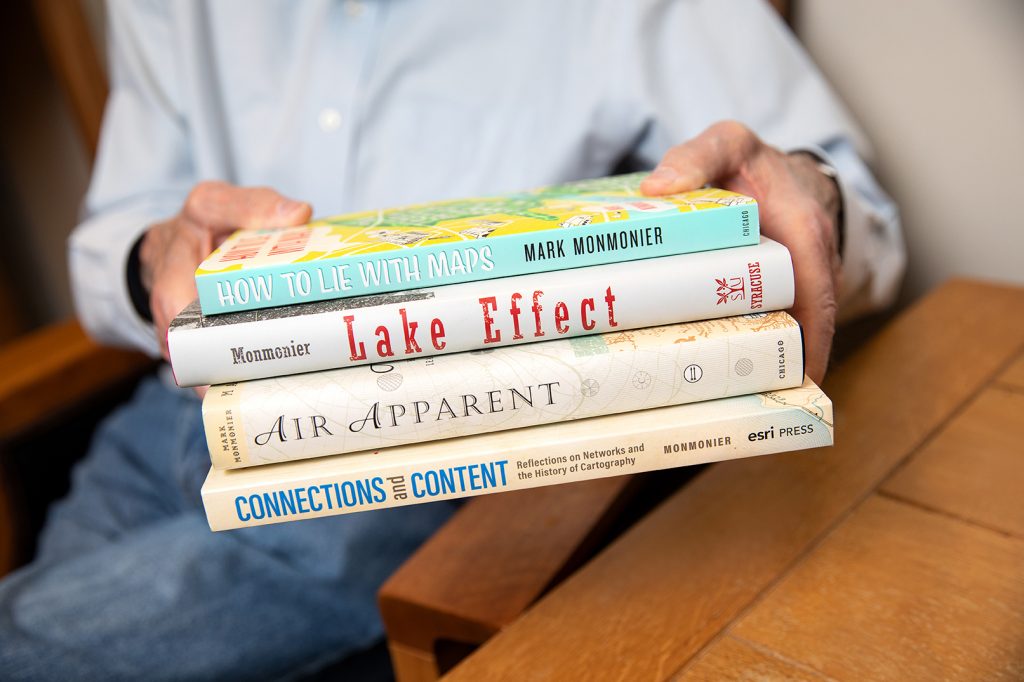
[{"x": 172, "y": 250}]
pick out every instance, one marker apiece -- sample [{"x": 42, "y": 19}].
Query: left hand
[{"x": 798, "y": 207}]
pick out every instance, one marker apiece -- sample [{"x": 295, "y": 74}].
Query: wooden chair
[{"x": 55, "y": 376}]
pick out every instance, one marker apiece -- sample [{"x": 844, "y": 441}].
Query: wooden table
[{"x": 897, "y": 554}]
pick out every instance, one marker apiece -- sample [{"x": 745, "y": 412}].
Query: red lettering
[
  {"x": 290, "y": 242},
  {"x": 588, "y": 324},
  {"x": 437, "y": 334},
  {"x": 409, "y": 329},
  {"x": 516, "y": 297},
  {"x": 561, "y": 315},
  {"x": 356, "y": 352},
  {"x": 610, "y": 300},
  {"x": 384, "y": 345},
  {"x": 536, "y": 308},
  {"x": 245, "y": 248},
  {"x": 491, "y": 335}
]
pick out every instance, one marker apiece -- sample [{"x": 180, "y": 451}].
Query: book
[
  {"x": 389, "y": 404},
  {"x": 216, "y": 349},
  {"x": 729, "y": 428},
  {"x": 568, "y": 226}
]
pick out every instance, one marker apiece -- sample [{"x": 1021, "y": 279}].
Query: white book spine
[
  {"x": 384, "y": 405},
  {"x": 508, "y": 311},
  {"x": 731, "y": 428}
]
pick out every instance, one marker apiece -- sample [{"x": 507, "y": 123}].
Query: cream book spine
[
  {"x": 730, "y": 428},
  {"x": 391, "y": 404}
]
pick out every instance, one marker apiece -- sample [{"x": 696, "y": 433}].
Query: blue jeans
[{"x": 130, "y": 583}]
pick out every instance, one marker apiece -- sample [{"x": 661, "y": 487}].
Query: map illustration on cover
[{"x": 590, "y": 222}]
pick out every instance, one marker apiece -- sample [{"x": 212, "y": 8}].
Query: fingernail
[
  {"x": 664, "y": 174},
  {"x": 288, "y": 207}
]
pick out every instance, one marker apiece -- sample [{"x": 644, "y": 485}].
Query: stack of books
[{"x": 475, "y": 346}]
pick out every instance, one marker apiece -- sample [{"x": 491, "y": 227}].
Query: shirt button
[
  {"x": 329, "y": 120},
  {"x": 354, "y": 8}
]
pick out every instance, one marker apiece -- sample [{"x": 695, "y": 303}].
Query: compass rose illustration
[{"x": 589, "y": 388}]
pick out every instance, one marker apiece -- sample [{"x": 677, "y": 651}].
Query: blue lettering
[
  {"x": 313, "y": 504},
  {"x": 447, "y": 481},
  {"x": 433, "y": 485},
  {"x": 487, "y": 472},
  {"x": 287, "y": 498},
  {"x": 474, "y": 476},
  {"x": 256, "y": 505},
  {"x": 326, "y": 487},
  {"x": 413, "y": 480},
  {"x": 301, "y": 498},
  {"x": 378, "y": 485},
  {"x": 462, "y": 477},
  {"x": 242, "y": 516},
  {"x": 348, "y": 494},
  {"x": 363, "y": 487}
]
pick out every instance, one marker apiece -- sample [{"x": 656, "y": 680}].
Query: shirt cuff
[
  {"x": 98, "y": 254},
  {"x": 829, "y": 170},
  {"x": 872, "y": 253}
]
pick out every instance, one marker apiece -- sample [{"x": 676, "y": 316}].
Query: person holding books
[{"x": 227, "y": 115}]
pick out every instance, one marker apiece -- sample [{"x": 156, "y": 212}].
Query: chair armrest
[
  {"x": 52, "y": 370},
  {"x": 496, "y": 556}
]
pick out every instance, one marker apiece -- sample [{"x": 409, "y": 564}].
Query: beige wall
[{"x": 938, "y": 85}]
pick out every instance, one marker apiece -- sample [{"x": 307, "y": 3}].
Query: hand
[
  {"x": 172, "y": 250},
  {"x": 798, "y": 207}
]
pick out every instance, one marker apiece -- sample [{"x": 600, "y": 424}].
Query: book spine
[
  {"x": 483, "y": 259},
  {"x": 490, "y": 466},
  {"x": 508, "y": 311},
  {"x": 385, "y": 405}
]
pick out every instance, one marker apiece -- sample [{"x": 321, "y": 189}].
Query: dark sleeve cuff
[{"x": 133, "y": 274}]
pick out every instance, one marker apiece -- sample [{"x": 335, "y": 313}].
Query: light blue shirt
[{"x": 367, "y": 104}]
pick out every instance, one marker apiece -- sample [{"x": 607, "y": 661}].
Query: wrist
[{"x": 821, "y": 180}]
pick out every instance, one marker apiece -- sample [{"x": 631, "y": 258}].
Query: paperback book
[
  {"x": 568, "y": 226},
  {"x": 215, "y": 349},
  {"x": 389, "y": 404},
  {"x": 743, "y": 426}
]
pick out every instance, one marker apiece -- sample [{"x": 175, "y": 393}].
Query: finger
[
  {"x": 717, "y": 153},
  {"x": 220, "y": 206},
  {"x": 165, "y": 305},
  {"x": 201, "y": 390},
  {"x": 814, "y": 305},
  {"x": 816, "y": 320},
  {"x": 174, "y": 281}
]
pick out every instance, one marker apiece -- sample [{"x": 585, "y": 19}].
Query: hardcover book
[
  {"x": 744, "y": 426},
  {"x": 216, "y": 349},
  {"x": 388, "y": 404},
  {"x": 568, "y": 226}
]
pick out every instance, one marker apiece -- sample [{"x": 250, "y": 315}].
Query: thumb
[
  {"x": 222, "y": 207},
  {"x": 713, "y": 156}
]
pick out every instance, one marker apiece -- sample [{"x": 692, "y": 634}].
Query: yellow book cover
[{"x": 573, "y": 225}]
